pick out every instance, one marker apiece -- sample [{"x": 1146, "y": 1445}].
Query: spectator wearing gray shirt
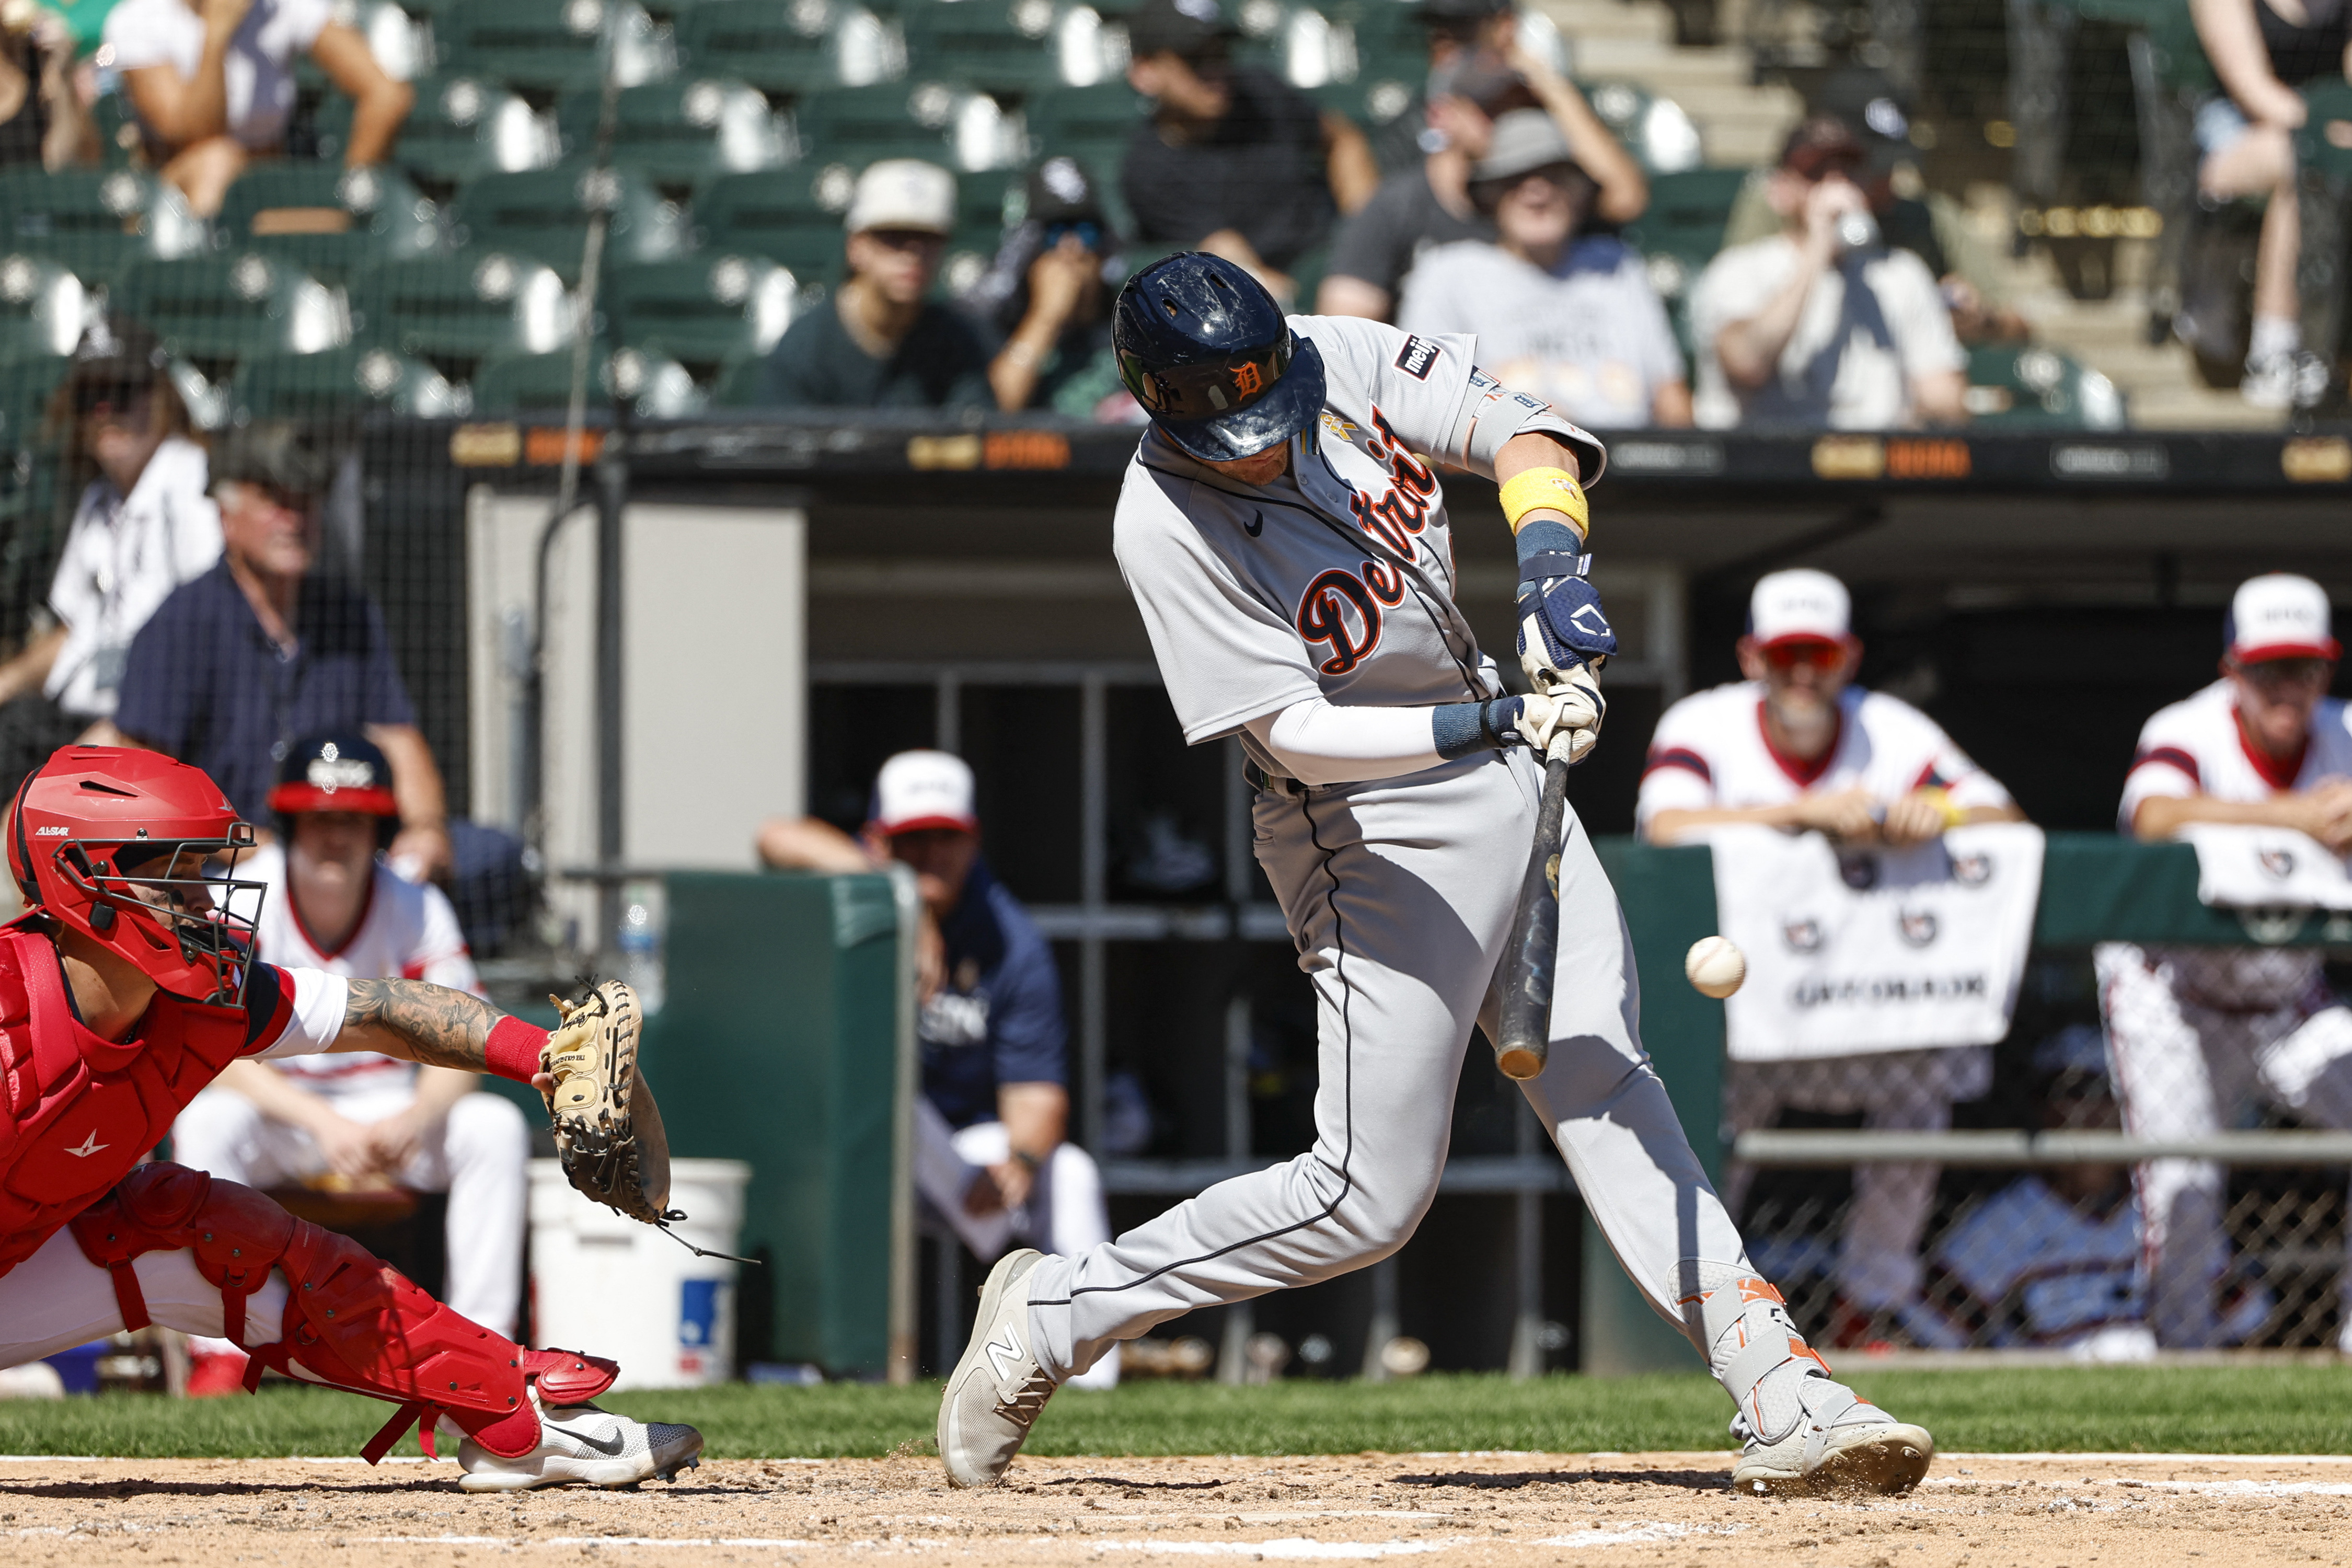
[{"x": 1571, "y": 319}]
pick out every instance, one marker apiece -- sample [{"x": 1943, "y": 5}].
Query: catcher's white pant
[
  {"x": 1878, "y": 1264},
  {"x": 58, "y": 1299},
  {"x": 1065, "y": 1212},
  {"x": 1399, "y": 895},
  {"x": 2195, "y": 1038},
  {"x": 478, "y": 1155}
]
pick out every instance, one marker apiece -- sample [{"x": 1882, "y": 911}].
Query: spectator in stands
[
  {"x": 1048, "y": 297},
  {"x": 355, "y": 1121},
  {"x": 2052, "y": 1261},
  {"x": 1430, "y": 203},
  {"x": 991, "y": 1159},
  {"x": 144, "y": 527},
  {"x": 1232, "y": 160},
  {"x": 44, "y": 123},
  {"x": 213, "y": 83},
  {"x": 1798, "y": 746},
  {"x": 241, "y": 662},
  {"x": 2262, "y": 50},
  {"x": 1821, "y": 324},
  {"x": 2204, "y": 1037},
  {"x": 882, "y": 344},
  {"x": 1570, "y": 318}
]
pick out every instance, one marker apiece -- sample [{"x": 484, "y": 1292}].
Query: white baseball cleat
[
  {"x": 996, "y": 1390},
  {"x": 1844, "y": 1443},
  {"x": 581, "y": 1445}
]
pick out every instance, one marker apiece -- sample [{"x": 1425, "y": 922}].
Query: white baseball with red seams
[{"x": 1715, "y": 966}]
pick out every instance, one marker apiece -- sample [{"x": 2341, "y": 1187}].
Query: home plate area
[{"x": 1986, "y": 1511}]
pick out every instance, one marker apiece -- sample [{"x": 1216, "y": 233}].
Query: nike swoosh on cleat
[{"x": 608, "y": 1446}]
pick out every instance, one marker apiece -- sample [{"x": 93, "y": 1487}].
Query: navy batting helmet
[{"x": 1205, "y": 350}]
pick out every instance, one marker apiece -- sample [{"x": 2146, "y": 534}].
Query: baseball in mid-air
[{"x": 1716, "y": 967}]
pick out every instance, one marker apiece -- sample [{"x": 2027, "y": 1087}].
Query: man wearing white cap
[
  {"x": 1798, "y": 746},
  {"x": 989, "y": 1156},
  {"x": 2199, "y": 1034},
  {"x": 881, "y": 344}
]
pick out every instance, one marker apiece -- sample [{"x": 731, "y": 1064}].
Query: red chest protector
[{"x": 76, "y": 1112}]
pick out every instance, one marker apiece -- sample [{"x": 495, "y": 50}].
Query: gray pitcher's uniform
[{"x": 1338, "y": 580}]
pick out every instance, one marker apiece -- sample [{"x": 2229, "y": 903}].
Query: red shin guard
[{"x": 351, "y": 1319}]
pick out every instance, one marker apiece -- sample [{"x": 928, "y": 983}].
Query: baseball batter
[
  {"x": 130, "y": 984},
  {"x": 1283, "y": 532},
  {"x": 2200, "y": 1033}
]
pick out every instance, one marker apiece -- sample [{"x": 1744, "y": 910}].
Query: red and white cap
[
  {"x": 2279, "y": 616},
  {"x": 1801, "y": 606},
  {"x": 915, "y": 790}
]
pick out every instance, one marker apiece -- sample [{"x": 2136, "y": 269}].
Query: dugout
[{"x": 2038, "y": 594}]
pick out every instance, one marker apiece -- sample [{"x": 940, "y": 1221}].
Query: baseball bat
[{"x": 1534, "y": 946}]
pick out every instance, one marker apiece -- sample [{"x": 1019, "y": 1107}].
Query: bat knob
[{"x": 1521, "y": 1062}]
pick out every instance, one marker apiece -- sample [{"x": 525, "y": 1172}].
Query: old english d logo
[{"x": 1248, "y": 380}]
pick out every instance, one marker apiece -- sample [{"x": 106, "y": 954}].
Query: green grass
[{"x": 2277, "y": 1409}]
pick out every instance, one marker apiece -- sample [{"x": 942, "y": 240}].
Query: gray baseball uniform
[{"x": 1338, "y": 581}]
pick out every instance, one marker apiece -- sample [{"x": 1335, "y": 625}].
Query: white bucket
[{"x": 602, "y": 1283}]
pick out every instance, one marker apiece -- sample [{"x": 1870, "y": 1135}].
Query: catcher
[{"x": 127, "y": 986}]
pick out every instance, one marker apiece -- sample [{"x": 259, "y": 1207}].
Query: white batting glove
[{"x": 1571, "y": 707}]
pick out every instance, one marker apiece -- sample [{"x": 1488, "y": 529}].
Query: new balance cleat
[{"x": 997, "y": 1390}]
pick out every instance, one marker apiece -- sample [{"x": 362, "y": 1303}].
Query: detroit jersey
[
  {"x": 409, "y": 932},
  {"x": 1710, "y": 752},
  {"x": 2195, "y": 747},
  {"x": 1337, "y": 580}
]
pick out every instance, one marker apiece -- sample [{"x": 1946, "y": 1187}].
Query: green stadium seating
[
  {"x": 898, "y": 119},
  {"x": 792, "y": 219},
  {"x": 787, "y": 46},
  {"x": 1092, "y": 124},
  {"x": 996, "y": 45},
  {"x": 705, "y": 311},
  {"x": 2018, "y": 388},
  {"x": 647, "y": 384},
  {"x": 329, "y": 220},
  {"x": 741, "y": 383},
  {"x": 677, "y": 132},
  {"x": 95, "y": 222},
  {"x": 232, "y": 307},
  {"x": 2324, "y": 141},
  {"x": 1655, "y": 130},
  {"x": 543, "y": 214},
  {"x": 340, "y": 383},
  {"x": 460, "y": 308},
  {"x": 546, "y": 45},
  {"x": 462, "y": 126},
  {"x": 29, "y": 486},
  {"x": 41, "y": 307},
  {"x": 1686, "y": 216},
  {"x": 119, "y": 135}
]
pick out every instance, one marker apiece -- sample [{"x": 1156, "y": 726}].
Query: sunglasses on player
[{"x": 1817, "y": 655}]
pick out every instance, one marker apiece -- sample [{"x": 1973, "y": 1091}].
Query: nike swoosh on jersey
[
  {"x": 1256, "y": 526},
  {"x": 608, "y": 1446}
]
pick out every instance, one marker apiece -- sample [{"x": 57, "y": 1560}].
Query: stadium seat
[
  {"x": 329, "y": 220},
  {"x": 795, "y": 45},
  {"x": 95, "y": 222},
  {"x": 2038, "y": 388},
  {"x": 41, "y": 308},
  {"x": 1092, "y": 124},
  {"x": 792, "y": 219},
  {"x": 543, "y": 214},
  {"x": 232, "y": 307},
  {"x": 556, "y": 46},
  {"x": 680, "y": 131},
  {"x": 1684, "y": 223},
  {"x": 462, "y": 126},
  {"x": 646, "y": 384},
  {"x": 340, "y": 383},
  {"x": 461, "y": 308},
  {"x": 702, "y": 313},
  {"x": 1656, "y": 131},
  {"x": 742, "y": 382},
  {"x": 1006, "y": 45},
  {"x": 965, "y": 131}
]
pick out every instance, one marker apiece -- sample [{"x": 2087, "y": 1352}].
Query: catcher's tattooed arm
[{"x": 421, "y": 1022}]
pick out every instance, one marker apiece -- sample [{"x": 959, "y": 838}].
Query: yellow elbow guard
[{"x": 1546, "y": 490}]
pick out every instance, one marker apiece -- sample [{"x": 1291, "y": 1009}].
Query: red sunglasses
[{"x": 1789, "y": 654}]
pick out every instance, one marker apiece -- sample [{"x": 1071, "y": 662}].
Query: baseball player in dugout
[
  {"x": 1284, "y": 533},
  {"x": 992, "y": 1164},
  {"x": 1798, "y": 745},
  {"x": 2202, "y": 1036},
  {"x": 357, "y": 1121},
  {"x": 128, "y": 985}
]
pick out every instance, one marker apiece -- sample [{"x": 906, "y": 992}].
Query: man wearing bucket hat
[
  {"x": 356, "y": 1120},
  {"x": 2200, "y": 1035},
  {"x": 1570, "y": 317},
  {"x": 1283, "y": 532}
]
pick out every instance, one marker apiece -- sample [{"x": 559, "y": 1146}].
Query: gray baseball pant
[{"x": 1399, "y": 895}]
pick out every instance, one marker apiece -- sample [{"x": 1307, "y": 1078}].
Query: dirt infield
[{"x": 1989, "y": 1512}]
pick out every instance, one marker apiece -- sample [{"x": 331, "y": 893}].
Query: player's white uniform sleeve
[
  {"x": 1954, "y": 771},
  {"x": 1320, "y": 743},
  {"x": 2164, "y": 766},
  {"x": 1433, "y": 394},
  {"x": 1226, "y": 655},
  {"x": 442, "y": 956},
  {"x": 1677, "y": 774},
  {"x": 316, "y": 1013}
]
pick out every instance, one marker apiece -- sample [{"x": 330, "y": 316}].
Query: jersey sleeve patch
[
  {"x": 1417, "y": 358},
  {"x": 268, "y": 1006}
]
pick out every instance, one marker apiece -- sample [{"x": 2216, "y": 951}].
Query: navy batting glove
[{"x": 1566, "y": 613}]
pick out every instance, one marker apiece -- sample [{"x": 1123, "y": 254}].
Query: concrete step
[
  {"x": 1584, "y": 19},
  {"x": 1645, "y": 61}
]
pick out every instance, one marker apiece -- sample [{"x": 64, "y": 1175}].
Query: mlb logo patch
[{"x": 1417, "y": 358}]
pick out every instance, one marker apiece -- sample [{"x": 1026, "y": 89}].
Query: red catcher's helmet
[{"x": 115, "y": 843}]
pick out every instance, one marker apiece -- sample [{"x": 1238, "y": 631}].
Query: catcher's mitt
[{"x": 608, "y": 1135}]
